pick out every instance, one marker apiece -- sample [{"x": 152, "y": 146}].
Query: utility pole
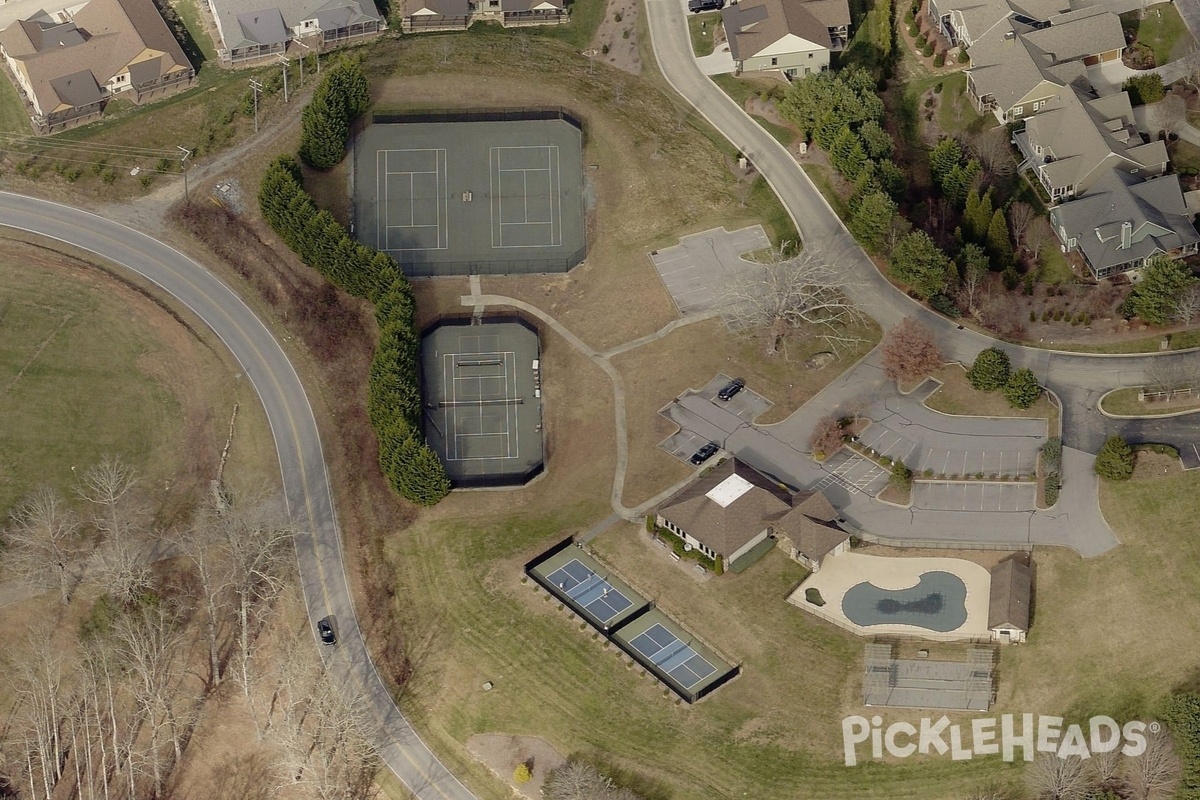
[
  {"x": 283, "y": 60},
  {"x": 183, "y": 163},
  {"x": 256, "y": 87},
  {"x": 302, "y": 55}
]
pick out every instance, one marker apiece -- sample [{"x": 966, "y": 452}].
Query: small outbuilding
[{"x": 1009, "y": 605}]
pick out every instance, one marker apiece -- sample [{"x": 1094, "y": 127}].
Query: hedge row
[
  {"x": 394, "y": 397},
  {"x": 341, "y": 97}
]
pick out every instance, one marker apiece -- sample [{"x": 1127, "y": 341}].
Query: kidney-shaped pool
[{"x": 937, "y": 603}]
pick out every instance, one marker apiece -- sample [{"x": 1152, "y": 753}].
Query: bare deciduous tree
[
  {"x": 44, "y": 542},
  {"x": 1168, "y": 114},
  {"x": 201, "y": 543},
  {"x": 786, "y": 293},
  {"x": 1038, "y": 235},
  {"x": 971, "y": 284},
  {"x": 576, "y": 780},
  {"x": 910, "y": 352},
  {"x": 1187, "y": 305},
  {"x": 826, "y": 436},
  {"x": 1020, "y": 215},
  {"x": 109, "y": 486},
  {"x": 1154, "y": 774},
  {"x": 994, "y": 153},
  {"x": 1166, "y": 374},
  {"x": 36, "y": 674},
  {"x": 1052, "y": 778}
]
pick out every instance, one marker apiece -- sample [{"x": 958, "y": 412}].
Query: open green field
[
  {"x": 957, "y": 397},
  {"x": 89, "y": 367},
  {"x": 13, "y": 118},
  {"x": 1147, "y": 588},
  {"x": 1163, "y": 31},
  {"x": 703, "y": 27}
]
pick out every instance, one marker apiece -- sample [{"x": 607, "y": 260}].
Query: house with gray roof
[
  {"x": 1123, "y": 221},
  {"x": 445, "y": 15},
  {"x": 784, "y": 35},
  {"x": 1016, "y": 68},
  {"x": 734, "y": 507},
  {"x": 1077, "y": 138},
  {"x": 69, "y": 65},
  {"x": 254, "y": 29}
]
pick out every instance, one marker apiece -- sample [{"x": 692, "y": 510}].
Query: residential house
[
  {"x": 784, "y": 35},
  {"x": 1076, "y": 138},
  {"x": 254, "y": 29},
  {"x": 1123, "y": 221},
  {"x": 1017, "y": 68},
  {"x": 735, "y": 507},
  {"x": 433, "y": 15},
  {"x": 1009, "y": 601},
  {"x": 69, "y": 65}
]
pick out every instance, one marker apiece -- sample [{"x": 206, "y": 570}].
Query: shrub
[
  {"x": 901, "y": 476},
  {"x": 813, "y": 596},
  {"x": 927, "y": 50},
  {"x": 963, "y": 57},
  {"x": 1115, "y": 460},
  {"x": 522, "y": 774},
  {"x": 625, "y": 33},
  {"x": 1032, "y": 315},
  {"x": 1052, "y": 455},
  {"x": 650, "y": 524},
  {"x": 939, "y": 61},
  {"x": 1050, "y": 489},
  {"x": 944, "y": 304},
  {"x": 1145, "y": 89},
  {"x": 826, "y": 436},
  {"x": 990, "y": 370},
  {"x": 1022, "y": 389},
  {"x": 617, "y": 17},
  {"x": 604, "y": 48}
]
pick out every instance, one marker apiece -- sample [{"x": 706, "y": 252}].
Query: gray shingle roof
[
  {"x": 1154, "y": 211},
  {"x": 258, "y": 22},
  {"x": 1011, "y": 592},
  {"x": 751, "y": 26}
]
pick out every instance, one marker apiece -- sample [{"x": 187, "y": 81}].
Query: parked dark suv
[
  {"x": 696, "y": 6},
  {"x": 325, "y": 628},
  {"x": 731, "y": 388},
  {"x": 704, "y": 454}
]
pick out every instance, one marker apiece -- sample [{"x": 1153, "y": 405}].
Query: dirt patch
[
  {"x": 503, "y": 753},
  {"x": 1153, "y": 466},
  {"x": 616, "y": 40}
]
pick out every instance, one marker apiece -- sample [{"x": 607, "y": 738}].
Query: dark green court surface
[
  {"x": 482, "y": 397},
  {"x": 472, "y": 198}
]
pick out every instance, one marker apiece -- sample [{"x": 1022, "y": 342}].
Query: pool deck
[{"x": 842, "y": 571}]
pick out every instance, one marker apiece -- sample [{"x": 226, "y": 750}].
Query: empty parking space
[
  {"x": 682, "y": 444},
  {"x": 695, "y": 269},
  {"x": 942, "y": 453},
  {"x": 963, "y": 496},
  {"x": 747, "y": 405}
]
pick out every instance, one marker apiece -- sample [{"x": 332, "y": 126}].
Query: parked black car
[
  {"x": 704, "y": 454},
  {"x": 325, "y": 628},
  {"x": 696, "y": 6},
  {"x": 731, "y": 388}
]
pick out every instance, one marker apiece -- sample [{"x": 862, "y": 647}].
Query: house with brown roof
[
  {"x": 792, "y": 36},
  {"x": 69, "y": 65},
  {"x": 255, "y": 29},
  {"x": 1009, "y": 601},
  {"x": 735, "y": 507}
]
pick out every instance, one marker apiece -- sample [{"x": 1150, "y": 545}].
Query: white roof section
[{"x": 729, "y": 490}]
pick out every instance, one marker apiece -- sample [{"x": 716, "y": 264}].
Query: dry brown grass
[{"x": 956, "y": 397}]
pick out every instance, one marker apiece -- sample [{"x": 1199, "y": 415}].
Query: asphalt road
[{"x": 301, "y": 460}]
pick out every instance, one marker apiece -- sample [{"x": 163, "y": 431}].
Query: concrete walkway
[{"x": 719, "y": 62}]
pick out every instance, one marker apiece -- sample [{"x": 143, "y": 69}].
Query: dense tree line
[
  {"x": 342, "y": 96},
  {"x": 394, "y": 398}
]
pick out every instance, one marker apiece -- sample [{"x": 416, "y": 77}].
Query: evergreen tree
[
  {"x": 323, "y": 134},
  {"x": 847, "y": 155},
  {"x": 919, "y": 262},
  {"x": 946, "y": 155},
  {"x": 876, "y": 141},
  {"x": 999, "y": 246},
  {"x": 873, "y": 220},
  {"x": 1022, "y": 389},
  {"x": 1156, "y": 296},
  {"x": 990, "y": 370},
  {"x": 891, "y": 179},
  {"x": 1115, "y": 460}
]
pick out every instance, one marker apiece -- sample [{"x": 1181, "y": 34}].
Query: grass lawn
[
  {"x": 1163, "y": 31},
  {"x": 957, "y": 397},
  {"x": 90, "y": 367},
  {"x": 741, "y": 89},
  {"x": 1185, "y": 156},
  {"x": 1125, "y": 402},
  {"x": 820, "y": 176},
  {"x": 703, "y": 26},
  {"x": 1054, "y": 266},
  {"x": 13, "y": 118},
  {"x": 955, "y": 112},
  {"x": 189, "y": 11},
  {"x": 1146, "y": 583},
  {"x": 586, "y": 16},
  {"x": 1179, "y": 340},
  {"x": 786, "y": 136}
]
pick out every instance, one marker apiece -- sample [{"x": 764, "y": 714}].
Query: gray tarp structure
[{"x": 921, "y": 683}]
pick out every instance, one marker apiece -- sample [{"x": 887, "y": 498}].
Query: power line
[
  {"x": 116, "y": 149},
  {"x": 89, "y": 163}
]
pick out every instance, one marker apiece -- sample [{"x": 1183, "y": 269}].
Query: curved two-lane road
[{"x": 297, "y": 440}]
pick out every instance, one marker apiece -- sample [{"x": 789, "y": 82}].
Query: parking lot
[
  {"x": 714, "y": 417},
  {"x": 695, "y": 269},
  {"x": 855, "y": 473},
  {"x": 943, "y": 453},
  {"x": 747, "y": 405},
  {"x": 683, "y": 443},
  {"x": 949, "y": 496}
]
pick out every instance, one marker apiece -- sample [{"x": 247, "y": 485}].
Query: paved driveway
[{"x": 695, "y": 270}]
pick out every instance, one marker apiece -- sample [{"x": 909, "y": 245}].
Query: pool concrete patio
[{"x": 841, "y": 572}]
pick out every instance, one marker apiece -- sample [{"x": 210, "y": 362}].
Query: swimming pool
[{"x": 937, "y": 603}]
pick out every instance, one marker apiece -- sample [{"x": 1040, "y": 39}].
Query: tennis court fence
[
  {"x": 517, "y": 114},
  {"x": 517, "y": 266}
]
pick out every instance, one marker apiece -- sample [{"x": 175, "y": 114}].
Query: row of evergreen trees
[
  {"x": 342, "y": 96},
  {"x": 394, "y": 397}
]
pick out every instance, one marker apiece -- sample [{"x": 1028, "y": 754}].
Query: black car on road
[
  {"x": 325, "y": 628},
  {"x": 704, "y": 454},
  {"x": 730, "y": 389},
  {"x": 696, "y": 6}
]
